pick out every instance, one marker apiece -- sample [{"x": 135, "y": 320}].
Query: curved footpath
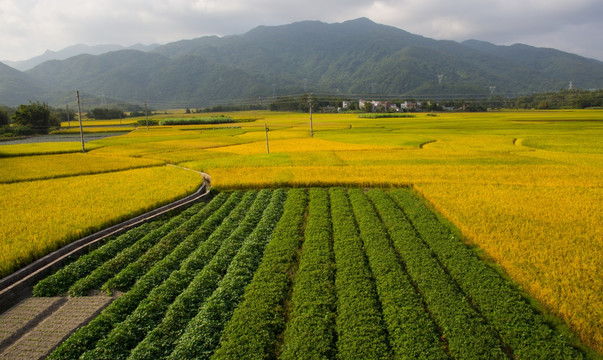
[{"x": 18, "y": 285}]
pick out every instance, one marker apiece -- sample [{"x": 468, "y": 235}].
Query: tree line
[{"x": 40, "y": 118}]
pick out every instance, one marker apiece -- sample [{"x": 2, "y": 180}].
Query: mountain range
[
  {"x": 71, "y": 51},
  {"x": 354, "y": 58}
]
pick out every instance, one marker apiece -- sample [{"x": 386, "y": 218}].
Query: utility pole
[
  {"x": 68, "y": 123},
  {"x": 79, "y": 111},
  {"x": 311, "y": 126},
  {"x": 146, "y": 113},
  {"x": 267, "y": 147}
]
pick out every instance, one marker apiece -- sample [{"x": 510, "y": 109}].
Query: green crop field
[{"x": 301, "y": 274}]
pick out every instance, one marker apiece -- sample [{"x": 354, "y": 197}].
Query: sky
[{"x": 29, "y": 27}]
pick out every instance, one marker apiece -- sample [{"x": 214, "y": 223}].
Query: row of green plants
[
  {"x": 203, "y": 333},
  {"x": 412, "y": 333},
  {"x": 521, "y": 328},
  {"x": 128, "y": 276},
  {"x": 467, "y": 334},
  {"x": 210, "y": 258},
  {"x": 300, "y": 273},
  {"x": 360, "y": 328},
  {"x": 313, "y": 300},
  {"x": 62, "y": 280},
  {"x": 86, "y": 338},
  {"x": 260, "y": 318},
  {"x": 110, "y": 268}
]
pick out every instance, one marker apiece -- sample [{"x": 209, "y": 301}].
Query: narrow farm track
[
  {"x": 288, "y": 274},
  {"x": 41, "y": 324}
]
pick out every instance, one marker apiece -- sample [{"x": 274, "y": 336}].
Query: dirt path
[{"x": 34, "y": 327}]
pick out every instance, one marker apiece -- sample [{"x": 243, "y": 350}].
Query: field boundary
[{"x": 18, "y": 285}]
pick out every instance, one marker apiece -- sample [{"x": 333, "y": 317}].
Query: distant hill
[
  {"x": 17, "y": 87},
  {"x": 354, "y": 57},
  {"x": 73, "y": 50},
  {"x": 559, "y": 65}
]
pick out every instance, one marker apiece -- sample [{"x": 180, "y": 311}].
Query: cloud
[{"x": 28, "y": 27}]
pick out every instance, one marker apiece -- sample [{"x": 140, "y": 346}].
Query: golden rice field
[
  {"x": 41, "y": 216},
  {"x": 525, "y": 187},
  {"x": 42, "y": 167},
  {"x": 44, "y": 148}
]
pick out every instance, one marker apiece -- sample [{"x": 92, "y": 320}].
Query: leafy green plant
[
  {"x": 361, "y": 332},
  {"x": 467, "y": 333},
  {"x": 259, "y": 319},
  {"x": 203, "y": 332},
  {"x": 519, "y": 326},
  {"x": 86, "y": 338},
  {"x": 111, "y": 267},
  {"x": 59, "y": 282},
  {"x": 213, "y": 254},
  {"x": 128, "y": 276},
  {"x": 313, "y": 299},
  {"x": 412, "y": 333}
]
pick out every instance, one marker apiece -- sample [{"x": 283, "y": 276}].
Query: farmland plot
[{"x": 298, "y": 274}]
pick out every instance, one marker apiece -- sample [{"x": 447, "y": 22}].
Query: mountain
[
  {"x": 73, "y": 50},
  {"x": 356, "y": 57},
  {"x": 556, "y": 64},
  {"x": 17, "y": 87}
]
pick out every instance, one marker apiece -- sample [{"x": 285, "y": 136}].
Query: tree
[
  {"x": 35, "y": 116},
  {"x": 4, "y": 119},
  {"x": 64, "y": 114},
  {"x": 106, "y": 114}
]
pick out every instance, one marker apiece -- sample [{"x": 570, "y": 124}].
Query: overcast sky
[{"x": 29, "y": 27}]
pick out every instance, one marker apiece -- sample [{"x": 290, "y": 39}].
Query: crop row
[
  {"x": 214, "y": 253},
  {"x": 313, "y": 299},
  {"x": 467, "y": 335},
  {"x": 299, "y": 273},
  {"x": 258, "y": 320},
  {"x": 202, "y": 335},
  {"x": 110, "y": 268},
  {"x": 128, "y": 276},
  {"x": 412, "y": 334},
  {"x": 519, "y": 325},
  {"x": 360, "y": 327},
  {"x": 59, "y": 282},
  {"x": 86, "y": 337}
]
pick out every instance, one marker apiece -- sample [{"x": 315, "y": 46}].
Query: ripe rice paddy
[{"x": 524, "y": 187}]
